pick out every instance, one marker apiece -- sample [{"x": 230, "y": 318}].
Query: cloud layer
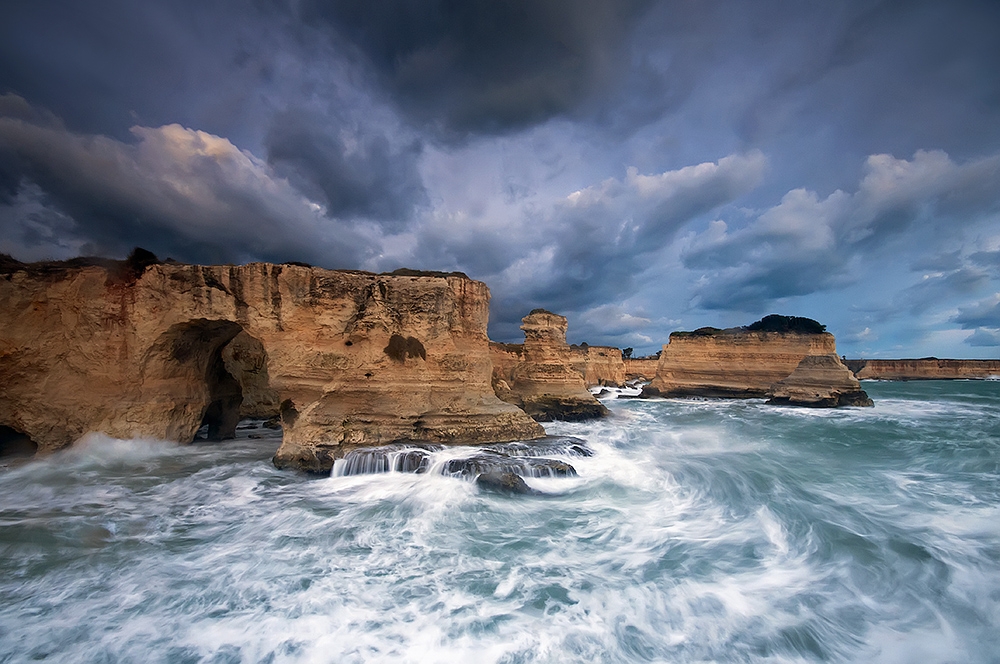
[{"x": 638, "y": 166}]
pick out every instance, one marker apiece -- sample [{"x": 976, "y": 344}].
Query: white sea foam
[{"x": 697, "y": 531}]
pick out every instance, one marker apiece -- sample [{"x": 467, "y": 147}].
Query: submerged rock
[
  {"x": 505, "y": 482},
  {"x": 400, "y": 458},
  {"x": 496, "y": 462},
  {"x": 491, "y": 462}
]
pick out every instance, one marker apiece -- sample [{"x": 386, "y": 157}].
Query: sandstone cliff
[
  {"x": 538, "y": 376},
  {"x": 748, "y": 362},
  {"x": 246, "y": 361},
  {"x": 821, "y": 381},
  {"x": 599, "y": 365},
  {"x": 928, "y": 368},
  {"x": 642, "y": 368},
  {"x": 137, "y": 350}
]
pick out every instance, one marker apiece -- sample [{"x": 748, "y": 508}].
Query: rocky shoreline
[{"x": 343, "y": 361}]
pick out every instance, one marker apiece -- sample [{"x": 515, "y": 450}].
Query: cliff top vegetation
[{"x": 770, "y": 323}]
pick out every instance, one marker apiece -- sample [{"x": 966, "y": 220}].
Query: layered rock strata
[
  {"x": 732, "y": 363},
  {"x": 538, "y": 376},
  {"x": 137, "y": 349},
  {"x": 641, "y": 368},
  {"x": 928, "y": 368},
  {"x": 821, "y": 381},
  {"x": 752, "y": 362},
  {"x": 246, "y": 360},
  {"x": 599, "y": 365}
]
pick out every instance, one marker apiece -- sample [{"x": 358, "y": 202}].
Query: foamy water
[{"x": 697, "y": 531}]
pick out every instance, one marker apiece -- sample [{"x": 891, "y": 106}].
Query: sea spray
[{"x": 696, "y": 531}]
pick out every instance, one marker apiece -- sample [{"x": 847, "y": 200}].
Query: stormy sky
[{"x": 639, "y": 166}]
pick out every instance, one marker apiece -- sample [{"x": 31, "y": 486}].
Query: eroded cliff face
[
  {"x": 821, "y": 381},
  {"x": 538, "y": 376},
  {"x": 738, "y": 364},
  {"x": 352, "y": 358},
  {"x": 790, "y": 367},
  {"x": 641, "y": 368},
  {"x": 928, "y": 368},
  {"x": 245, "y": 359},
  {"x": 599, "y": 365}
]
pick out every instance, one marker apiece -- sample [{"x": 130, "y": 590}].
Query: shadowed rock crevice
[
  {"x": 400, "y": 348},
  {"x": 15, "y": 444},
  {"x": 226, "y": 394},
  {"x": 186, "y": 366}
]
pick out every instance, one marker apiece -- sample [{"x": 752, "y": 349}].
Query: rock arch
[
  {"x": 184, "y": 376},
  {"x": 84, "y": 351}
]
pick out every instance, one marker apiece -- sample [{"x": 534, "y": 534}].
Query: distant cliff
[
  {"x": 142, "y": 349},
  {"x": 641, "y": 367},
  {"x": 539, "y": 377},
  {"x": 750, "y": 361},
  {"x": 599, "y": 365},
  {"x": 927, "y": 368}
]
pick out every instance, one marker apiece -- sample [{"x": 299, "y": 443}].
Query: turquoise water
[{"x": 698, "y": 531}]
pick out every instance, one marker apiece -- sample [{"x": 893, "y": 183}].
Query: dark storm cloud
[
  {"x": 361, "y": 129},
  {"x": 175, "y": 190},
  {"x": 355, "y": 171},
  {"x": 807, "y": 244},
  {"x": 486, "y": 65}
]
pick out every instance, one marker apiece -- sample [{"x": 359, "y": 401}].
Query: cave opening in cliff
[
  {"x": 202, "y": 366},
  {"x": 225, "y": 394},
  {"x": 14, "y": 443}
]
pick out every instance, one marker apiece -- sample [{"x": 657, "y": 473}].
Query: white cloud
[
  {"x": 807, "y": 243},
  {"x": 187, "y": 187}
]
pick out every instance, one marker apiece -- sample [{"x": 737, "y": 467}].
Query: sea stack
[
  {"x": 821, "y": 381},
  {"x": 538, "y": 376},
  {"x": 142, "y": 349},
  {"x": 755, "y": 361}
]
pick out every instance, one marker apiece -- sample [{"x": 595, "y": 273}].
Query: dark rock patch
[{"x": 509, "y": 483}]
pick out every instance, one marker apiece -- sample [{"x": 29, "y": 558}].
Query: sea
[{"x": 695, "y": 531}]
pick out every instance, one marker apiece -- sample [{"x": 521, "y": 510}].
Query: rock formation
[
  {"x": 246, "y": 360},
  {"x": 599, "y": 365},
  {"x": 821, "y": 381},
  {"x": 641, "y": 368},
  {"x": 928, "y": 368},
  {"x": 137, "y": 349},
  {"x": 746, "y": 362},
  {"x": 538, "y": 376}
]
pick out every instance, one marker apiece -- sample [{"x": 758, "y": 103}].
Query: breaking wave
[{"x": 689, "y": 531}]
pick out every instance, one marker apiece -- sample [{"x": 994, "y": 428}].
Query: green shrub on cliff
[{"x": 788, "y": 324}]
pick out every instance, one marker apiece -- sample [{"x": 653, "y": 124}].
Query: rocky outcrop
[
  {"x": 246, "y": 360},
  {"x": 538, "y": 376},
  {"x": 641, "y": 368},
  {"x": 820, "y": 381},
  {"x": 599, "y": 365},
  {"x": 139, "y": 349},
  {"x": 928, "y": 368},
  {"x": 747, "y": 362}
]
